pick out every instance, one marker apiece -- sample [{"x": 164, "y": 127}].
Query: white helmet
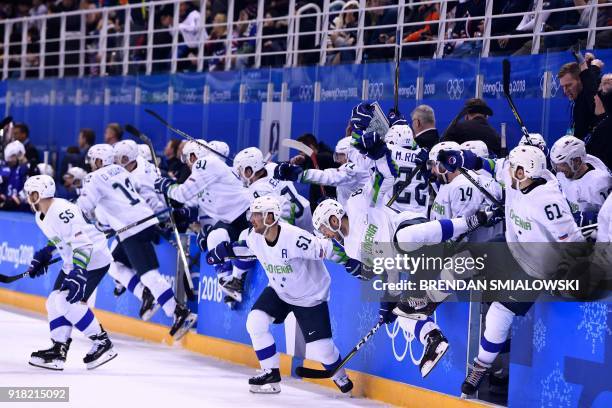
[
  {"x": 125, "y": 148},
  {"x": 101, "y": 151},
  {"x": 250, "y": 157},
  {"x": 15, "y": 148},
  {"x": 145, "y": 152},
  {"x": 43, "y": 185},
  {"x": 535, "y": 139},
  {"x": 566, "y": 149},
  {"x": 196, "y": 148},
  {"x": 437, "y": 148},
  {"x": 530, "y": 158},
  {"x": 76, "y": 172},
  {"x": 45, "y": 169},
  {"x": 265, "y": 205},
  {"x": 220, "y": 147},
  {"x": 343, "y": 146},
  {"x": 324, "y": 211},
  {"x": 478, "y": 147},
  {"x": 401, "y": 135}
]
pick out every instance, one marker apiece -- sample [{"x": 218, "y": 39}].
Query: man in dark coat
[{"x": 475, "y": 126}]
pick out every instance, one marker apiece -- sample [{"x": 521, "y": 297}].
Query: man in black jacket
[
  {"x": 600, "y": 142},
  {"x": 21, "y": 132},
  {"x": 579, "y": 83},
  {"x": 475, "y": 126},
  {"x": 424, "y": 126}
]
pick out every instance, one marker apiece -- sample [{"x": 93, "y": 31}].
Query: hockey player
[
  {"x": 536, "y": 212},
  {"x": 109, "y": 188},
  {"x": 218, "y": 193},
  {"x": 13, "y": 172},
  {"x": 365, "y": 219},
  {"x": 347, "y": 178},
  {"x": 86, "y": 260},
  {"x": 298, "y": 282},
  {"x": 584, "y": 179}
]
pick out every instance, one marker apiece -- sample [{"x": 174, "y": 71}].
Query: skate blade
[
  {"x": 428, "y": 366},
  {"x": 189, "y": 322},
  {"x": 233, "y": 294},
  {"x": 150, "y": 313},
  {"x": 414, "y": 316},
  {"x": 103, "y": 359},
  {"x": 272, "y": 388},
  {"x": 40, "y": 363}
]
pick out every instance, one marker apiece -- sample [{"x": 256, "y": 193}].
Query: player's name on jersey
[{"x": 538, "y": 285}]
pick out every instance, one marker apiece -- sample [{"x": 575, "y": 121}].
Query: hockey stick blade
[
  {"x": 13, "y": 278},
  {"x": 137, "y": 133},
  {"x": 506, "y": 75},
  {"x": 299, "y": 146},
  {"x": 313, "y": 373}
]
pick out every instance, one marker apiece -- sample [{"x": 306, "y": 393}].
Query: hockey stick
[
  {"x": 506, "y": 85},
  {"x": 480, "y": 188},
  {"x": 10, "y": 279},
  {"x": 185, "y": 135},
  {"x": 146, "y": 140},
  {"x": 136, "y": 223},
  {"x": 398, "y": 51},
  {"x": 313, "y": 373},
  {"x": 299, "y": 146},
  {"x": 401, "y": 188}
]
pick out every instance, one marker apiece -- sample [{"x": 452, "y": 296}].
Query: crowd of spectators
[{"x": 464, "y": 29}]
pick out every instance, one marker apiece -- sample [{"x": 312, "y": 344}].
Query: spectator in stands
[
  {"x": 373, "y": 35},
  {"x": 190, "y": 29},
  {"x": 600, "y": 143},
  {"x": 21, "y": 132},
  {"x": 414, "y": 34},
  {"x": 162, "y": 38},
  {"x": 509, "y": 25},
  {"x": 244, "y": 34},
  {"x": 473, "y": 27},
  {"x": 603, "y": 38},
  {"x": 475, "y": 126},
  {"x": 214, "y": 49},
  {"x": 343, "y": 33},
  {"x": 277, "y": 44},
  {"x": 113, "y": 133},
  {"x": 424, "y": 126},
  {"x": 579, "y": 83},
  {"x": 325, "y": 159},
  {"x": 14, "y": 173},
  {"x": 564, "y": 41}
]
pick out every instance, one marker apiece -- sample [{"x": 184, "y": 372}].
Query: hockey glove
[
  {"x": 396, "y": 118},
  {"x": 370, "y": 143},
  {"x": 361, "y": 116},
  {"x": 359, "y": 270},
  {"x": 40, "y": 262},
  {"x": 75, "y": 283},
  {"x": 385, "y": 312},
  {"x": 202, "y": 237},
  {"x": 287, "y": 171},
  {"x": 454, "y": 159},
  {"x": 162, "y": 185},
  {"x": 220, "y": 254},
  {"x": 484, "y": 218}
]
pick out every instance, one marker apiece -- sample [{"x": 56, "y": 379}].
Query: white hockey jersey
[
  {"x": 295, "y": 208},
  {"x": 589, "y": 192},
  {"x": 112, "y": 188},
  {"x": 220, "y": 194},
  {"x": 294, "y": 264},
  {"x": 346, "y": 178},
  {"x": 459, "y": 198},
  {"x": 144, "y": 176},
  {"x": 78, "y": 242},
  {"x": 539, "y": 214}
]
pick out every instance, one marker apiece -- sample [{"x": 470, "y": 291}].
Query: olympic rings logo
[
  {"x": 305, "y": 92},
  {"x": 375, "y": 90},
  {"x": 399, "y": 351},
  {"x": 554, "y": 84},
  {"x": 455, "y": 88}
]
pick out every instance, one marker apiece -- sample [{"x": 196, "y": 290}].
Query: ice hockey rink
[{"x": 143, "y": 374}]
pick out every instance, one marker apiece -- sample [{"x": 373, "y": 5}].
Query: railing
[{"x": 141, "y": 39}]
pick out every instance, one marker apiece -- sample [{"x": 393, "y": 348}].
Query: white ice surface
[{"x": 143, "y": 375}]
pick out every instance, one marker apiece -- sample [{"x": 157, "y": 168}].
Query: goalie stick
[
  {"x": 186, "y": 272},
  {"x": 185, "y": 135},
  {"x": 313, "y": 373},
  {"x": 13, "y": 278},
  {"x": 299, "y": 146}
]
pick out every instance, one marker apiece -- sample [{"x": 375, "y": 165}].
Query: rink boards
[{"x": 561, "y": 354}]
